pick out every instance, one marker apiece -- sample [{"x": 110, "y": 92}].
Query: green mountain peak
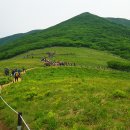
[{"x": 86, "y": 30}]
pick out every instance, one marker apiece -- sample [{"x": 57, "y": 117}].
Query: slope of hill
[
  {"x": 81, "y": 56},
  {"x": 12, "y": 38},
  {"x": 85, "y": 30},
  {"x": 88, "y": 96},
  {"x": 124, "y": 22}
]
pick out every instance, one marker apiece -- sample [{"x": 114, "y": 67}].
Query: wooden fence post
[{"x": 19, "y": 127}]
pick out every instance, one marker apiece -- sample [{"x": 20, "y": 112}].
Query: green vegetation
[
  {"x": 12, "y": 38},
  {"x": 81, "y": 56},
  {"x": 85, "y": 30},
  {"x": 121, "y": 21},
  {"x": 70, "y": 98},
  {"x": 119, "y": 94},
  {"x": 83, "y": 97},
  {"x": 124, "y": 66},
  {"x": 5, "y": 80}
]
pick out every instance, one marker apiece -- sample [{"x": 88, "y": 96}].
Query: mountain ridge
[
  {"x": 85, "y": 30},
  {"x": 13, "y": 37},
  {"x": 121, "y": 21}
]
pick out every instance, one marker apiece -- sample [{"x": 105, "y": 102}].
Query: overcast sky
[{"x": 24, "y": 15}]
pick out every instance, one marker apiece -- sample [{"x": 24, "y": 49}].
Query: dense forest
[
  {"x": 84, "y": 30},
  {"x": 124, "y": 22}
]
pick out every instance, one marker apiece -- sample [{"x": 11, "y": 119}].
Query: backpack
[{"x": 16, "y": 74}]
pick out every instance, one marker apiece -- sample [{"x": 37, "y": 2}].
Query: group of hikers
[
  {"x": 16, "y": 73},
  {"x": 56, "y": 63}
]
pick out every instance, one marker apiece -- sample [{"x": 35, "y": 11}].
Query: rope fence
[{"x": 20, "y": 118}]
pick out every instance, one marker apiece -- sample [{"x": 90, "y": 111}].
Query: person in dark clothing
[
  {"x": 13, "y": 71},
  {"x": 19, "y": 71},
  {"x": 6, "y": 71},
  {"x": 16, "y": 76}
]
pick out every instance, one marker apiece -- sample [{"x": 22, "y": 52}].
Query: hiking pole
[{"x": 19, "y": 127}]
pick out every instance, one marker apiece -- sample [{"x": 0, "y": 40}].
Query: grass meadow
[
  {"x": 88, "y": 96},
  {"x": 81, "y": 56}
]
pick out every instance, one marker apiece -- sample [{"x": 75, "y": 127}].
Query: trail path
[
  {"x": 19, "y": 80},
  {"x": 2, "y": 125}
]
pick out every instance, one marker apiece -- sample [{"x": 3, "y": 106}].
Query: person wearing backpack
[
  {"x": 19, "y": 71},
  {"x": 16, "y": 76}
]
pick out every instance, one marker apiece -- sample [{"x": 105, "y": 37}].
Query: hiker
[
  {"x": 44, "y": 59},
  {"x": 6, "y": 71},
  {"x": 13, "y": 71},
  {"x": 23, "y": 70},
  {"x": 16, "y": 76},
  {"x": 19, "y": 71},
  {"x": 48, "y": 63}
]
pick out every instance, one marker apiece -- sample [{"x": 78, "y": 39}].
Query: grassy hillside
[
  {"x": 85, "y": 97},
  {"x": 124, "y": 22},
  {"x": 70, "y": 98},
  {"x": 84, "y": 30},
  {"x": 81, "y": 56},
  {"x": 12, "y": 38}
]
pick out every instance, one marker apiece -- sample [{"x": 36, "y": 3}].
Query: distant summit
[{"x": 84, "y": 30}]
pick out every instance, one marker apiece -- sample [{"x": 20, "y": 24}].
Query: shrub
[
  {"x": 119, "y": 94},
  {"x": 51, "y": 121},
  {"x": 30, "y": 95},
  {"x": 5, "y": 80},
  {"x": 119, "y": 65}
]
